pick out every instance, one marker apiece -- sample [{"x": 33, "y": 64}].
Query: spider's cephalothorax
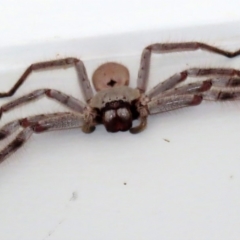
[
  {"x": 116, "y": 107},
  {"x": 116, "y": 104}
]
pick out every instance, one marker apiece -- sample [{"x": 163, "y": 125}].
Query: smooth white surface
[
  {"x": 69, "y": 185},
  {"x": 40, "y": 20}
]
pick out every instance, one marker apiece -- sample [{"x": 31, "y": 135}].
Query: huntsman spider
[{"x": 115, "y": 104}]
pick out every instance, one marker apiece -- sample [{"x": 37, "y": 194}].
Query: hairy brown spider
[{"x": 115, "y": 104}]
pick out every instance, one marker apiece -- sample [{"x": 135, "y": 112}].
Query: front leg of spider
[{"x": 164, "y": 97}]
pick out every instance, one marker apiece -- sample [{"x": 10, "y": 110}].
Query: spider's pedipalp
[{"x": 142, "y": 125}]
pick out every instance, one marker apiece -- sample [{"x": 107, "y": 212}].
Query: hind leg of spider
[
  {"x": 203, "y": 86},
  {"x": 219, "y": 76},
  {"x": 144, "y": 69},
  {"x": 20, "y": 139},
  {"x": 222, "y": 94},
  {"x": 69, "y": 101},
  {"x": 173, "y": 102},
  {"x": 63, "y": 121},
  {"x": 80, "y": 68},
  {"x": 11, "y": 127}
]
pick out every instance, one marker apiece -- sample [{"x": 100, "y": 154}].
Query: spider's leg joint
[
  {"x": 38, "y": 128},
  {"x": 3, "y": 135},
  {"x": 197, "y": 99},
  {"x": 206, "y": 86},
  {"x": 72, "y": 60},
  {"x": 89, "y": 120},
  {"x": 24, "y": 122}
]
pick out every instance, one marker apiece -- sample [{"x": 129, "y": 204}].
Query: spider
[{"x": 115, "y": 104}]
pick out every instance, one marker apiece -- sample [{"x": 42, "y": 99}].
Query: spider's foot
[
  {"x": 197, "y": 99},
  {"x": 88, "y": 128}
]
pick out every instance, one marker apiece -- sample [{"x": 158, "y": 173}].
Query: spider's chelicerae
[{"x": 115, "y": 104}]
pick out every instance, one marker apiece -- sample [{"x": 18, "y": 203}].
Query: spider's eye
[
  {"x": 123, "y": 113},
  {"x": 109, "y": 115}
]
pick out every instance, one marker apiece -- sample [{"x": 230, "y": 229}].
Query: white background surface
[{"x": 68, "y": 185}]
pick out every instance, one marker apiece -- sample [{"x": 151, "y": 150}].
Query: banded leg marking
[
  {"x": 221, "y": 77},
  {"x": 80, "y": 68},
  {"x": 170, "y": 103},
  {"x": 68, "y": 101},
  {"x": 63, "y": 121},
  {"x": 159, "y": 48},
  {"x": 11, "y": 127}
]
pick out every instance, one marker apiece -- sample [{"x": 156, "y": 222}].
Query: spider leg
[
  {"x": 216, "y": 89},
  {"x": 11, "y": 127},
  {"x": 175, "y": 101},
  {"x": 164, "y": 104},
  {"x": 20, "y": 139},
  {"x": 164, "y": 97},
  {"x": 64, "y": 99},
  {"x": 63, "y": 121},
  {"x": 222, "y": 94},
  {"x": 191, "y": 88},
  {"x": 222, "y": 73},
  {"x": 80, "y": 68},
  {"x": 143, "y": 72},
  {"x": 169, "y": 103},
  {"x": 203, "y": 86}
]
